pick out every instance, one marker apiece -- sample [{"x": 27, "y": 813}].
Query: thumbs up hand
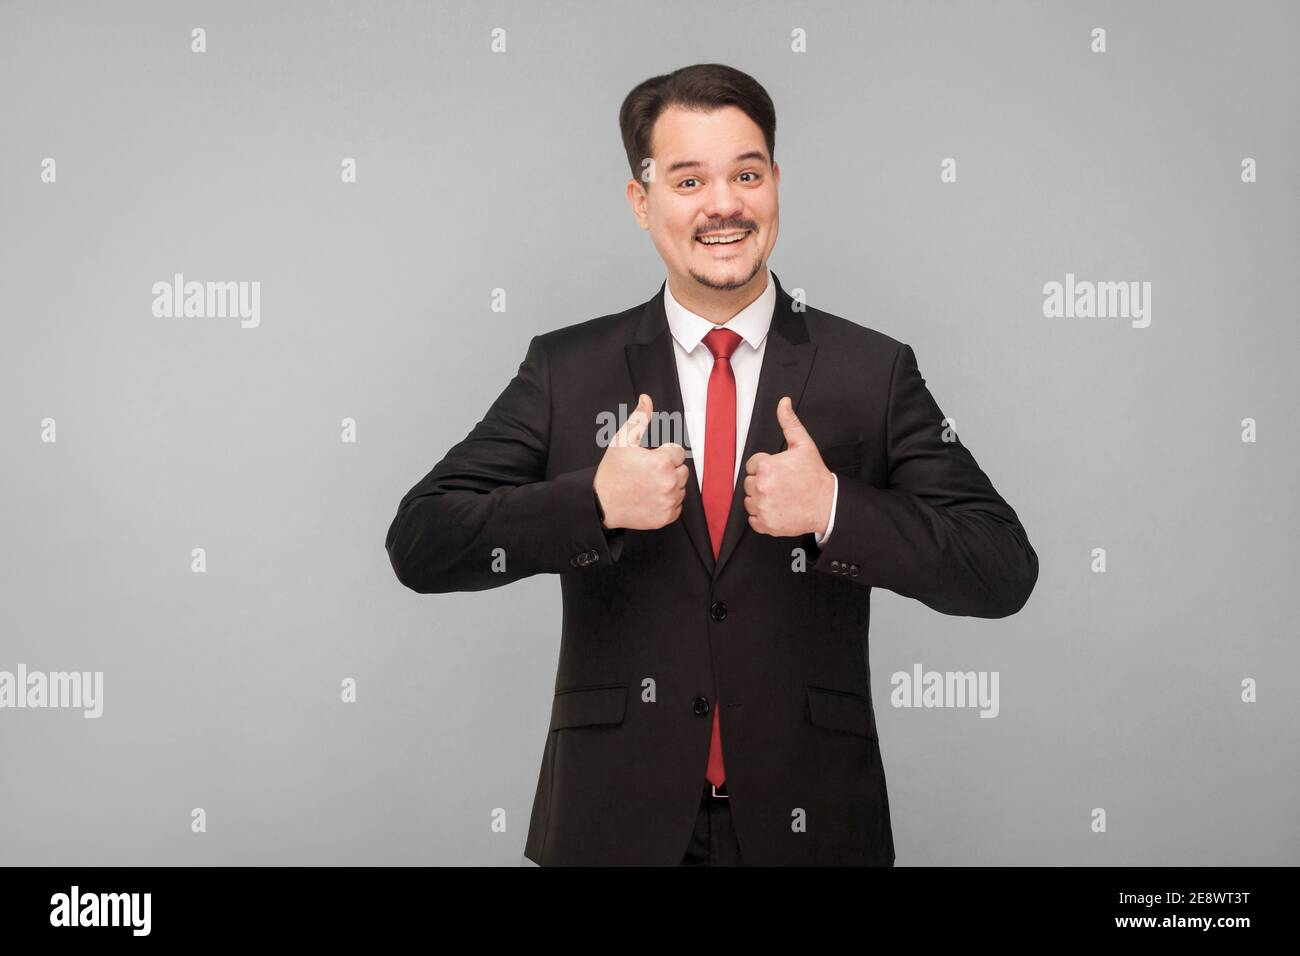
[
  {"x": 641, "y": 488},
  {"x": 790, "y": 493}
]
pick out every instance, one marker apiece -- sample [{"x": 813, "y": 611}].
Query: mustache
[{"x": 729, "y": 227}]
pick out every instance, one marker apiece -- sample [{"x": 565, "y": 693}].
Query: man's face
[{"x": 713, "y": 178}]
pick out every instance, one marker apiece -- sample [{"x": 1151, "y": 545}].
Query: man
[{"x": 713, "y": 697}]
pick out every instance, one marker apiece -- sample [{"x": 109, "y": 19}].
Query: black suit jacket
[{"x": 654, "y": 629}]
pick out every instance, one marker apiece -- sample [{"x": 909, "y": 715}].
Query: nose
[{"x": 723, "y": 201}]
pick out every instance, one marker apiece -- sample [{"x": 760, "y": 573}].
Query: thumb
[
  {"x": 635, "y": 426},
  {"x": 796, "y": 436}
]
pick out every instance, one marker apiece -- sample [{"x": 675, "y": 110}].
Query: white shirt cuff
[{"x": 830, "y": 525}]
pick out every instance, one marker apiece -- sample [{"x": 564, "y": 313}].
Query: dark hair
[{"x": 704, "y": 86}]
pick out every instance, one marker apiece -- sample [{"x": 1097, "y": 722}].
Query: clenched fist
[
  {"x": 790, "y": 493},
  {"x": 641, "y": 488}
]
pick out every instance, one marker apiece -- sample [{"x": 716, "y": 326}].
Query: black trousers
[{"x": 713, "y": 841}]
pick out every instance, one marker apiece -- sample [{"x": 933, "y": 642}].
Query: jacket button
[
  {"x": 574, "y": 560},
  {"x": 595, "y": 556},
  {"x": 835, "y": 566},
  {"x": 853, "y": 570},
  {"x": 718, "y": 611},
  {"x": 700, "y": 705}
]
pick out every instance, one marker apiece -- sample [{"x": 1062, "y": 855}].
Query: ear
[{"x": 637, "y": 199}]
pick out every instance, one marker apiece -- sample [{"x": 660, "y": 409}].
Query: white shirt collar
[{"x": 750, "y": 323}]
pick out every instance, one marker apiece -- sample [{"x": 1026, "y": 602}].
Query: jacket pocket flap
[
  {"x": 587, "y": 706},
  {"x": 840, "y": 710}
]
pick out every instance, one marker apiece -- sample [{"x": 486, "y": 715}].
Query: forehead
[{"x": 716, "y": 137}]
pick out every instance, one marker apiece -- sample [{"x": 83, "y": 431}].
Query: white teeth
[{"x": 717, "y": 240}]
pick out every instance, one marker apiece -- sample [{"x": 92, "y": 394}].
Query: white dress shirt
[{"x": 695, "y": 364}]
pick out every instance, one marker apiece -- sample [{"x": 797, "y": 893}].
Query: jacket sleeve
[
  {"x": 485, "y": 516},
  {"x": 939, "y": 533}
]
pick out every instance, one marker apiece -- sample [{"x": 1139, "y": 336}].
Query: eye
[
  {"x": 688, "y": 179},
  {"x": 750, "y": 172}
]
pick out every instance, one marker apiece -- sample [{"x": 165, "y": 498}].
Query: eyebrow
[{"x": 687, "y": 163}]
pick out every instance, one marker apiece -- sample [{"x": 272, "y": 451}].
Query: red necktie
[{"x": 719, "y": 477}]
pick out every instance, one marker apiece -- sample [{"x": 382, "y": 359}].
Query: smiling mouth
[{"x": 723, "y": 240}]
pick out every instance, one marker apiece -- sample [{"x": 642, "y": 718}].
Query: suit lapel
[
  {"x": 787, "y": 360},
  {"x": 653, "y": 367}
]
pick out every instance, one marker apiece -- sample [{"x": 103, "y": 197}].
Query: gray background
[{"x": 479, "y": 171}]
